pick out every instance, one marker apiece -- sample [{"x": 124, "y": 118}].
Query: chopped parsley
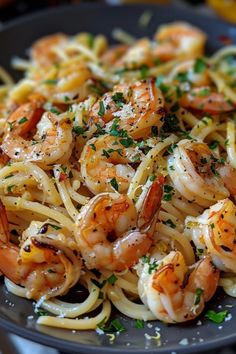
[
  {"x": 182, "y": 77},
  {"x": 171, "y": 148},
  {"x": 170, "y": 223},
  {"x": 23, "y": 120},
  {"x": 54, "y": 110},
  {"x": 159, "y": 83},
  {"x": 105, "y": 153},
  {"x": 217, "y": 317},
  {"x": 9, "y": 176},
  {"x": 139, "y": 324},
  {"x": 197, "y": 298},
  {"x": 199, "y": 252},
  {"x": 226, "y": 143},
  {"x": 204, "y": 92},
  {"x": 40, "y": 312},
  {"x": 101, "y": 111},
  {"x": 114, "y": 326},
  {"x": 152, "y": 178},
  {"x": 10, "y": 125},
  {"x": 78, "y": 130},
  {"x": 199, "y": 66},
  {"x": 100, "y": 129},
  {"x": 115, "y": 130},
  {"x": 114, "y": 184},
  {"x": 144, "y": 71},
  {"x": 9, "y": 188},
  {"x": 98, "y": 285},
  {"x": 152, "y": 263},
  {"x": 119, "y": 99},
  {"x": 127, "y": 142},
  {"x": 93, "y": 147},
  {"x": 168, "y": 192},
  {"x": 50, "y": 82},
  {"x": 112, "y": 279}
]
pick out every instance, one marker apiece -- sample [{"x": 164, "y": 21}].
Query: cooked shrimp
[
  {"x": 24, "y": 118},
  {"x": 193, "y": 170},
  {"x": 113, "y": 54},
  {"x": 110, "y": 233},
  {"x": 42, "y": 50},
  {"x": 138, "y": 106},
  {"x": 3, "y": 159},
  {"x": 228, "y": 174},
  {"x": 52, "y": 143},
  {"x": 179, "y": 39},
  {"x": 167, "y": 294},
  {"x": 214, "y": 232},
  {"x": 139, "y": 54},
  {"x": 204, "y": 99},
  {"x": 103, "y": 159},
  {"x": 44, "y": 265}
]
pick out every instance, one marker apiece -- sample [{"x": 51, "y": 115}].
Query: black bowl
[{"x": 16, "y": 313}]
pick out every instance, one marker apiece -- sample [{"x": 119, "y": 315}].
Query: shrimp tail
[
  {"x": 159, "y": 282},
  {"x": 149, "y": 212}
]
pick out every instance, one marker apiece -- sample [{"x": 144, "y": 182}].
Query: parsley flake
[
  {"x": 23, "y": 120},
  {"x": 101, "y": 111},
  {"x": 199, "y": 66},
  {"x": 217, "y": 317},
  {"x": 139, "y": 324},
  {"x": 114, "y": 184},
  {"x": 112, "y": 279}
]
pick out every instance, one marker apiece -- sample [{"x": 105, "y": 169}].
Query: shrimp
[
  {"x": 113, "y": 54},
  {"x": 179, "y": 39},
  {"x": 214, "y": 232},
  {"x": 139, "y": 106},
  {"x": 176, "y": 40},
  {"x": 42, "y": 50},
  {"x": 110, "y": 233},
  {"x": 139, "y": 54},
  {"x": 43, "y": 264},
  {"x": 3, "y": 159},
  {"x": 52, "y": 142},
  {"x": 24, "y": 118},
  {"x": 193, "y": 170},
  {"x": 166, "y": 292},
  {"x": 204, "y": 99},
  {"x": 104, "y": 159}
]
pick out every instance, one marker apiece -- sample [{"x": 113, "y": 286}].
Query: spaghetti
[{"x": 114, "y": 162}]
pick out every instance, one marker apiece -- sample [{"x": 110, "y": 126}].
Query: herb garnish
[
  {"x": 23, "y": 120},
  {"x": 101, "y": 111},
  {"x": 139, "y": 324},
  {"x": 217, "y": 317},
  {"x": 114, "y": 183}
]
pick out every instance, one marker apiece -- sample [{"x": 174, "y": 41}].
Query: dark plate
[{"x": 14, "y": 311}]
